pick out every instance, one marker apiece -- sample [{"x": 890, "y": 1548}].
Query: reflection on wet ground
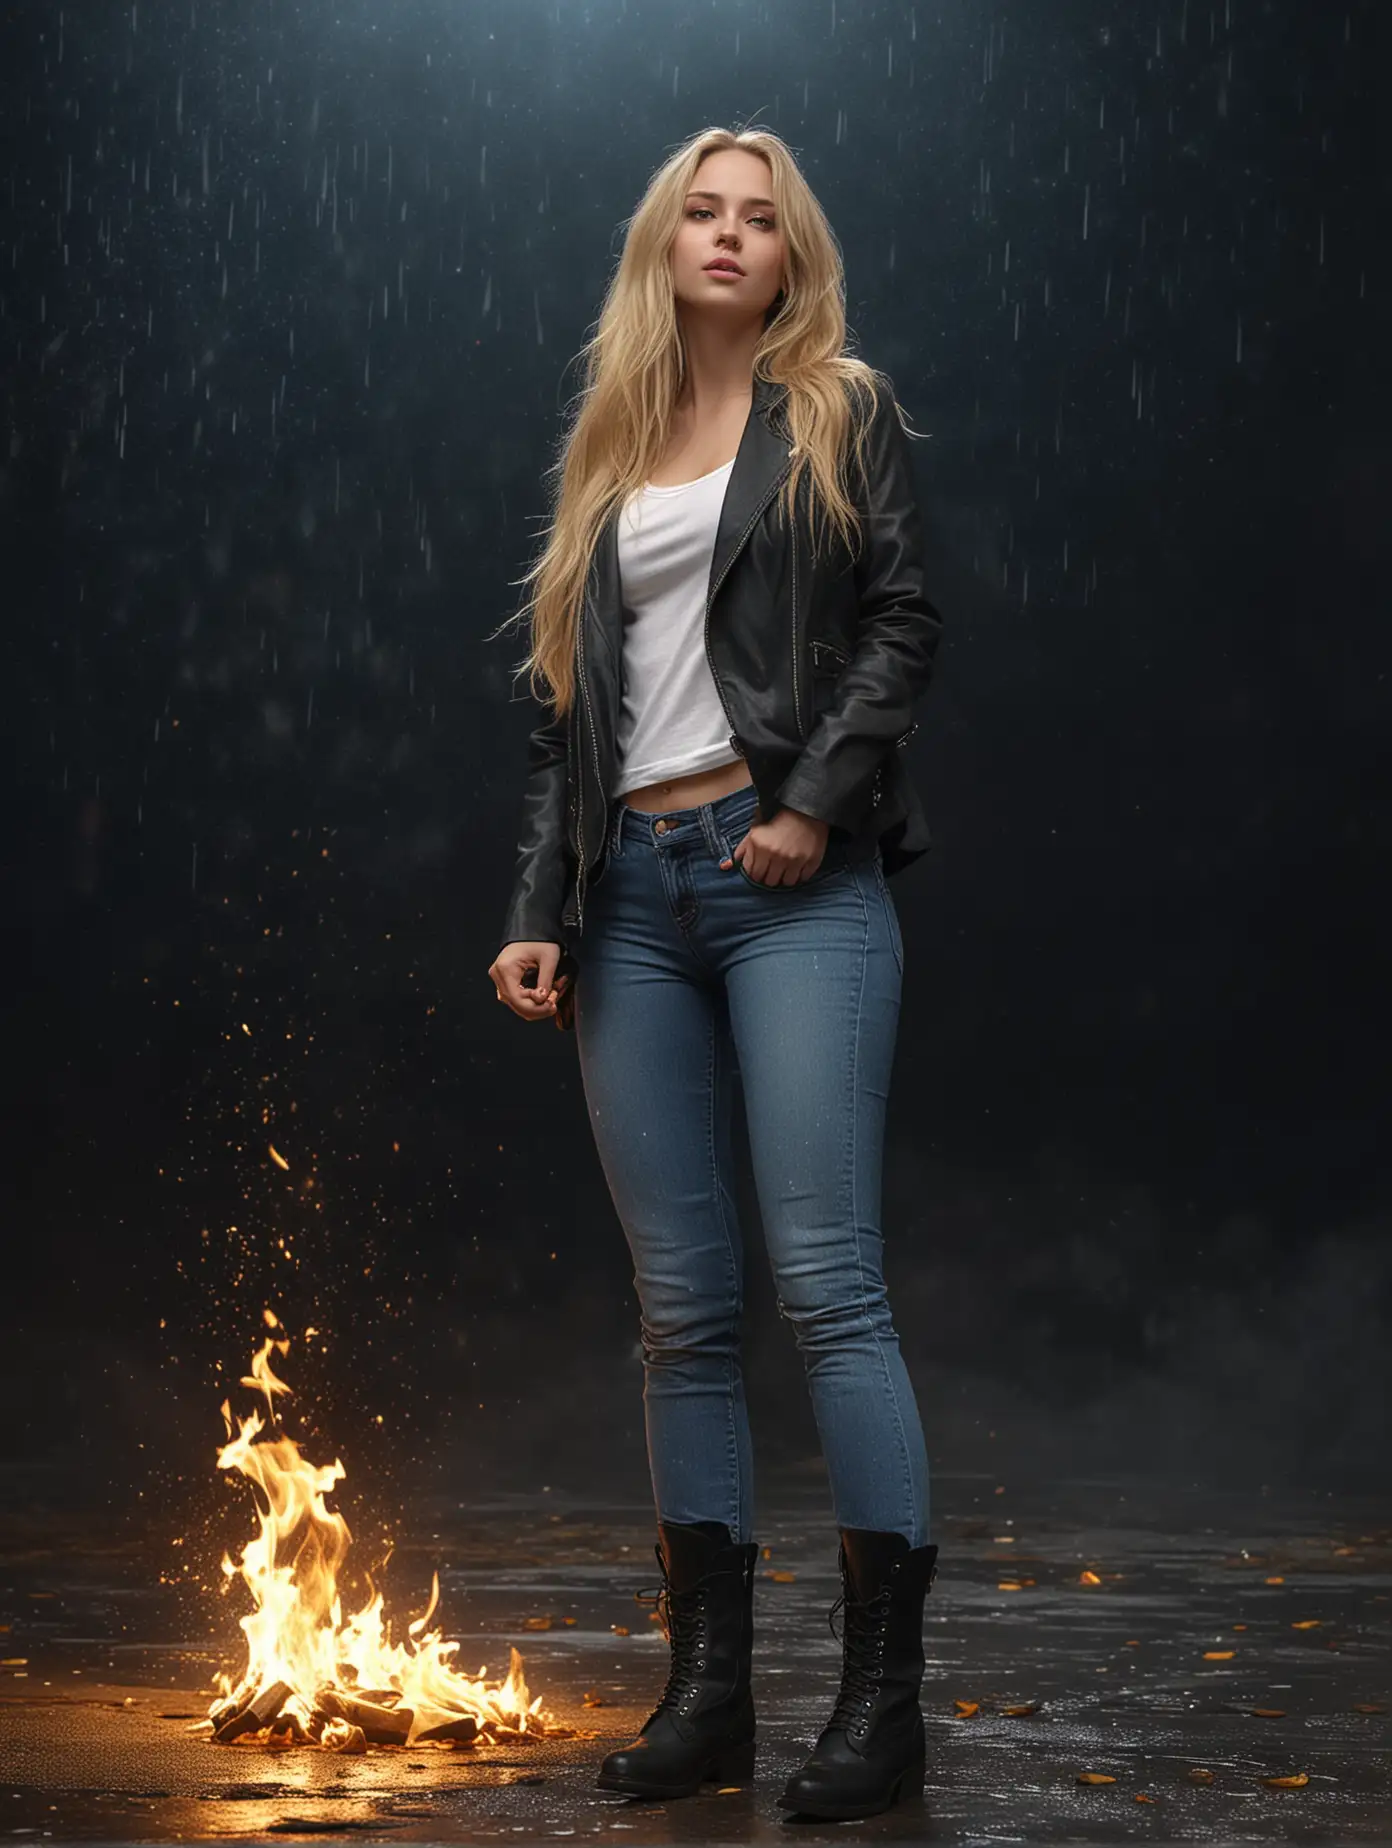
[{"x": 1188, "y": 1646}]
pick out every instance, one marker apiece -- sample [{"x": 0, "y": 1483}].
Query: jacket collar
[{"x": 760, "y": 463}]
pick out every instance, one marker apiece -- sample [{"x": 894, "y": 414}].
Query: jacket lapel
[{"x": 760, "y": 461}]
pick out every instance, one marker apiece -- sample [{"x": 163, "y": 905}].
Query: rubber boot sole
[
  {"x": 726, "y": 1764},
  {"x": 909, "y": 1783}
]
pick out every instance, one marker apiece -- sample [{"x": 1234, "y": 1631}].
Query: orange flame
[{"x": 296, "y": 1633}]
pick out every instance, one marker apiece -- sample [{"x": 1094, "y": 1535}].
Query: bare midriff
[{"x": 684, "y": 792}]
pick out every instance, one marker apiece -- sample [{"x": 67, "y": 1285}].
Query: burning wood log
[
  {"x": 255, "y": 1715},
  {"x": 380, "y": 1725},
  {"x": 287, "y": 1730},
  {"x": 339, "y": 1736},
  {"x": 460, "y": 1730},
  {"x": 223, "y": 1711}
]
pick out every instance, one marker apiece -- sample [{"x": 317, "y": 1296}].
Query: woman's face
[{"x": 729, "y": 213}]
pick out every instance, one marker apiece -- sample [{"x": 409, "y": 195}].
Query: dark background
[{"x": 289, "y": 300}]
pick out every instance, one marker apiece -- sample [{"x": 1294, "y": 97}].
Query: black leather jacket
[{"x": 818, "y": 669}]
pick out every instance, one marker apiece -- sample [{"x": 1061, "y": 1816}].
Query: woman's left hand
[{"x": 782, "y": 852}]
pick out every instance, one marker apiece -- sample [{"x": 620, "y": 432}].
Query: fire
[{"x": 311, "y": 1674}]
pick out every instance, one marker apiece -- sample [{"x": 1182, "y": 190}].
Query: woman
[{"x": 712, "y": 811}]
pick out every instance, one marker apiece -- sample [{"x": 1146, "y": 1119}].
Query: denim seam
[
  {"x": 855, "y": 1221},
  {"x": 891, "y": 922},
  {"x": 712, "y": 1062}
]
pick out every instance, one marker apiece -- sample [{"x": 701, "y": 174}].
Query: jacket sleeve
[
  {"x": 543, "y": 851},
  {"x": 897, "y": 638}
]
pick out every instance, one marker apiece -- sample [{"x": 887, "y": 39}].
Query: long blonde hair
[{"x": 633, "y": 370}]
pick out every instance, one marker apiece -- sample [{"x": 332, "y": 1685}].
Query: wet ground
[{"x": 1187, "y": 1645}]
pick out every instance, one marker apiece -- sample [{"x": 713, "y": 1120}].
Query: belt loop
[{"x": 710, "y": 828}]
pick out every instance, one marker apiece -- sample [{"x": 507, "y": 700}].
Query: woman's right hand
[{"x": 516, "y": 960}]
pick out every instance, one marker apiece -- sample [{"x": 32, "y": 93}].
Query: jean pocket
[{"x": 832, "y": 862}]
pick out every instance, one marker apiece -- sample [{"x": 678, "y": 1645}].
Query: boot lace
[
  {"x": 683, "y": 1616},
  {"x": 862, "y": 1641}
]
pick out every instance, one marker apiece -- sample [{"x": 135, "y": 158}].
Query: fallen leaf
[
  {"x": 1307, "y": 1623},
  {"x": 1288, "y": 1783},
  {"x": 1088, "y": 1578},
  {"x": 966, "y": 1708},
  {"x": 1016, "y": 1712},
  {"x": 1269, "y": 1713},
  {"x": 1219, "y": 1655},
  {"x": 1095, "y": 1777}
]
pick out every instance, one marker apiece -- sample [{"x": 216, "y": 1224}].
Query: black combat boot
[
  {"x": 872, "y": 1750},
  {"x": 703, "y": 1726}
]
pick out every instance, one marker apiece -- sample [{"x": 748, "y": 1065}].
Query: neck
[{"x": 719, "y": 364}]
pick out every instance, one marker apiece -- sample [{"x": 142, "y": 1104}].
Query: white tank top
[{"x": 671, "y": 722}]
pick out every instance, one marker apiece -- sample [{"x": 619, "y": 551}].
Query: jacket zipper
[
  {"x": 841, "y": 658},
  {"x": 582, "y": 879},
  {"x": 797, "y": 697},
  {"x": 838, "y": 655}
]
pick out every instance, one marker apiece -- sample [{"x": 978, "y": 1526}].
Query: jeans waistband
[
  {"x": 639, "y": 824},
  {"x": 636, "y": 827}
]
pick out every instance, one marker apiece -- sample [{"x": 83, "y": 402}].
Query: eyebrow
[{"x": 714, "y": 195}]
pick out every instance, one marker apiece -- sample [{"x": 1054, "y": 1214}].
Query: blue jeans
[{"x": 695, "y": 981}]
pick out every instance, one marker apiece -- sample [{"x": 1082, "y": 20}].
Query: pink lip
[{"x": 724, "y": 269}]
